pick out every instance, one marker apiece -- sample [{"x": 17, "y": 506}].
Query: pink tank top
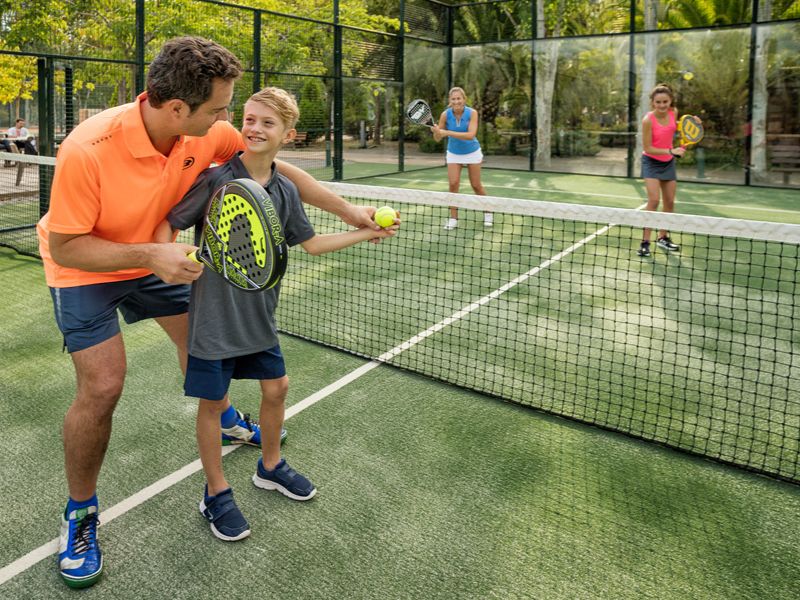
[{"x": 662, "y": 135}]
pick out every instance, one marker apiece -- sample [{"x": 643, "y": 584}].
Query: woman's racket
[
  {"x": 242, "y": 238},
  {"x": 419, "y": 112},
  {"x": 690, "y": 129}
]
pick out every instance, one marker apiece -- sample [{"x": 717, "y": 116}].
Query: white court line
[{"x": 50, "y": 548}]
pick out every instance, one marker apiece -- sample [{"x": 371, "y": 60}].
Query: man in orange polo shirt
[{"x": 119, "y": 173}]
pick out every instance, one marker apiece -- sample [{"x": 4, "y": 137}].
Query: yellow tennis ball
[
  {"x": 688, "y": 75},
  {"x": 385, "y": 216}
]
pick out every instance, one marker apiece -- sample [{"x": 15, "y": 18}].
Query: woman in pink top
[{"x": 658, "y": 161}]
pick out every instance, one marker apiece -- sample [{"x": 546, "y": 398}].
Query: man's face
[{"x": 212, "y": 110}]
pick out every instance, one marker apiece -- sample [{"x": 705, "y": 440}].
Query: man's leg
[{"x": 100, "y": 372}]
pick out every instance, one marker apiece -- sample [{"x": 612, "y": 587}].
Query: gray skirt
[{"x": 658, "y": 169}]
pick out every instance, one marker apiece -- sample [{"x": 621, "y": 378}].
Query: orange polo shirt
[{"x": 112, "y": 183}]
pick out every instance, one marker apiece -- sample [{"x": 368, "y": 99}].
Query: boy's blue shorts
[
  {"x": 87, "y": 314},
  {"x": 210, "y": 379}
]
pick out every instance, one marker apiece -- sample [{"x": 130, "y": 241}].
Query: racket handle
[{"x": 193, "y": 256}]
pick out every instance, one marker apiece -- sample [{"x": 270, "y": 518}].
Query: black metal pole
[
  {"x": 139, "y": 80},
  {"x": 338, "y": 100},
  {"x": 256, "y": 51},
  {"x": 69, "y": 100},
  {"x": 401, "y": 125},
  {"x": 532, "y": 122}
]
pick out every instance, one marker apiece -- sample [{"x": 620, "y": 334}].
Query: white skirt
[{"x": 473, "y": 158}]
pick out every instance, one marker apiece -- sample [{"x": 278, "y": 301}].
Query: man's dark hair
[{"x": 185, "y": 69}]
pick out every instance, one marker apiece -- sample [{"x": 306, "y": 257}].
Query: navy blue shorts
[
  {"x": 210, "y": 379},
  {"x": 663, "y": 170},
  {"x": 87, "y": 314}
]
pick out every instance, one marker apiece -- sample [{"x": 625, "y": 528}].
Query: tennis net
[{"x": 552, "y": 308}]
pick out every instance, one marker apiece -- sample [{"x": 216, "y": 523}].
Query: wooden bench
[
  {"x": 301, "y": 139},
  {"x": 784, "y": 157}
]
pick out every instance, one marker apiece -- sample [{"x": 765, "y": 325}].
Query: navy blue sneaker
[
  {"x": 284, "y": 479},
  {"x": 226, "y": 520},
  {"x": 79, "y": 558},
  {"x": 245, "y": 431}
]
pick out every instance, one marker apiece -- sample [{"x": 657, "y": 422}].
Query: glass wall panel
[
  {"x": 708, "y": 71},
  {"x": 426, "y": 19},
  {"x": 368, "y": 54},
  {"x": 371, "y": 109},
  {"x": 581, "y": 105},
  {"x": 686, "y": 14},
  {"x": 584, "y": 18},
  {"x": 425, "y": 77},
  {"x": 497, "y": 80},
  {"x": 775, "y": 158},
  {"x": 492, "y": 22},
  {"x": 778, "y": 10}
]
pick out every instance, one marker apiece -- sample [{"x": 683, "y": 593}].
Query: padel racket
[
  {"x": 690, "y": 129},
  {"x": 242, "y": 238},
  {"x": 419, "y": 112}
]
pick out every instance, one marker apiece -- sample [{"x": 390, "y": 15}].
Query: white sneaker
[
  {"x": 488, "y": 219},
  {"x": 451, "y": 223}
]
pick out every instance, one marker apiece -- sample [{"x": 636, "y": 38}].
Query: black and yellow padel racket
[
  {"x": 242, "y": 237},
  {"x": 690, "y": 129}
]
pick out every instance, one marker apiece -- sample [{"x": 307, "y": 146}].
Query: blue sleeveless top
[{"x": 460, "y": 146}]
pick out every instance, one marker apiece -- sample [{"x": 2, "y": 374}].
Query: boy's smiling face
[{"x": 263, "y": 130}]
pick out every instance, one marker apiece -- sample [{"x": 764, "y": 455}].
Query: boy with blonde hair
[{"x": 232, "y": 333}]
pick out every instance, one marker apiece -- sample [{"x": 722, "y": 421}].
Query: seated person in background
[{"x": 22, "y": 137}]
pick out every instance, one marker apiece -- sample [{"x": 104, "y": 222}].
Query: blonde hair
[
  {"x": 457, "y": 89},
  {"x": 281, "y": 101}
]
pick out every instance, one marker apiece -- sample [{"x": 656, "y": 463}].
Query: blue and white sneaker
[
  {"x": 79, "y": 558},
  {"x": 245, "y": 431},
  {"x": 226, "y": 520},
  {"x": 284, "y": 479}
]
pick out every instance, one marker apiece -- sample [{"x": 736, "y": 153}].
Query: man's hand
[{"x": 170, "y": 263}]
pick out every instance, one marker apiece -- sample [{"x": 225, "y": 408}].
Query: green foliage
[
  {"x": 575, "y": 143},
  {"x": 413, "y": 133},
  {"x": 312, "y": 104},
  {"x": 429, "y": 145}
]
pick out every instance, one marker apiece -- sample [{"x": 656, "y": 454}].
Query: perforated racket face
[
  {"x": 691, "y": 129},
  {"x": 419, "y": 112},
  {"x": 242, "y": 238}
]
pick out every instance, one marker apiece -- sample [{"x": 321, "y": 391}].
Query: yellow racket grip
[{"x": 193, "y": 256}]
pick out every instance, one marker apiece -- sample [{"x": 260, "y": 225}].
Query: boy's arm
[
  {"x": 163, "y": 233},
  {"x": 330, "y": 242},
  {"x": 311, "y": 192}
]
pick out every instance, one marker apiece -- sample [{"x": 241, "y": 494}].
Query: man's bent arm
[{"x": 90, "y": 253}]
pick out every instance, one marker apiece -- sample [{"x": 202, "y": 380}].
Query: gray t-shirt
[{"x": 224, "y": 321}]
